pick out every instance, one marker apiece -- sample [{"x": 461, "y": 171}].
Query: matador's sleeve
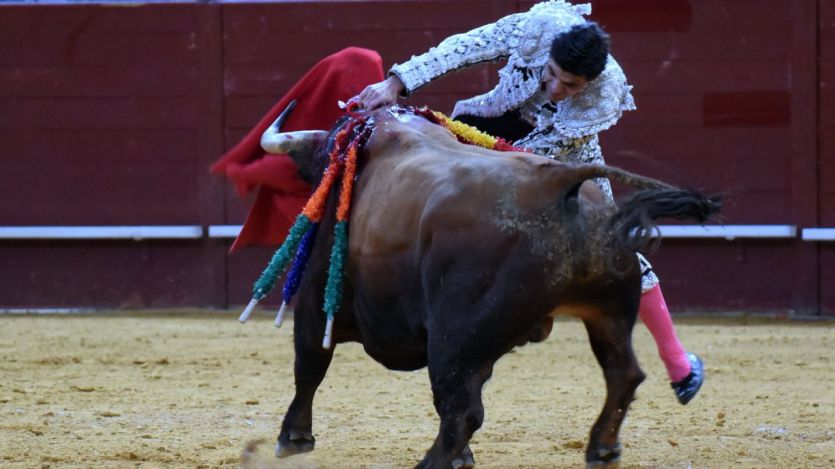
[{"x": 490, "y": 42}]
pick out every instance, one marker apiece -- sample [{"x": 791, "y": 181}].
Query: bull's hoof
[
  {"x": 606, "y": 456},
  {"x": 603, "y": 465},
  {"x": 465, "y": 460},
  {"x": 294, "y": 443}
]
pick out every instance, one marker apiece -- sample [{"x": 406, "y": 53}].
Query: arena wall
[{"x": 110, "y": 117}]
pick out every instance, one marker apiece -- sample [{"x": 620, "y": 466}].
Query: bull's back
[{"x": 417, "y": 170}]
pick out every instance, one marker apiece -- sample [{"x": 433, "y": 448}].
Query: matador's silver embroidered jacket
[{"x": 566, "y": 130}]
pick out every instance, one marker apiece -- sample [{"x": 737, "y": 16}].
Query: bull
[{"x": 457, "y": 254}]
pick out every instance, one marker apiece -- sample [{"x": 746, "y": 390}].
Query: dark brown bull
[{"x": 458, "y": 254}]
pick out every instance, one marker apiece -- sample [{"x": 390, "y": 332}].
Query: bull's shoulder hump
[{"x": 392, "y": 132}]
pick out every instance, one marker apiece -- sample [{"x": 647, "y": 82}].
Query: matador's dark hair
[{"x": 582, "y": 50}]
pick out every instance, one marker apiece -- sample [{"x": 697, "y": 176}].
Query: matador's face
[{"x": 560, "y": 84}]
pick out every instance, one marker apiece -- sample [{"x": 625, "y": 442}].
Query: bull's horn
[
  {"x": 287, "y": 142},
  {"x": 274, "y": 141}
]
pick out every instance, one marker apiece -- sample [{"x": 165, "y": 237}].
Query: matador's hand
[{"x": 380, "y": 94}]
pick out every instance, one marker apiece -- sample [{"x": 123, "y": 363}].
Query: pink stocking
[{"x": 654, "y": 313}]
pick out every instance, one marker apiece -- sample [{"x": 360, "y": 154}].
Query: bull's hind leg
[
  {"x": 611, "y": 341},
  {"x": 456, "y": 387},
  {"x": 312, "y": 362}
]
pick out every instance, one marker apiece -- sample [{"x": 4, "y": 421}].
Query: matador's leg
[{"x": 685, "y": 370}]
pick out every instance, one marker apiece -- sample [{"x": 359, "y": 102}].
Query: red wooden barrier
[
  {"x": 111, "y": 116},
  {"x": 826, "y": 157}
]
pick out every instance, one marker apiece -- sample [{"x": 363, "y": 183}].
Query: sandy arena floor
[{"x": 193, "y": 390}]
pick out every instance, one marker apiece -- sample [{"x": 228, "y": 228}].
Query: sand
[{"x": 194, "y": 389}]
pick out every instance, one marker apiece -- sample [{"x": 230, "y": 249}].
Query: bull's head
[{"x": 299, "y": 145}]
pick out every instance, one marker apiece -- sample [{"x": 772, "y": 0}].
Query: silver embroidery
[
  {"x": 566, "y": 130},
  {"x": 525, "y": 40},
  {"x": 648, "y": 278}
]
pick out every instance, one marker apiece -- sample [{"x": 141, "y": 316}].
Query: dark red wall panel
[
  {"x": 698, "y": 275},
  {"x": 123, "y": 274},
  {"x": 827, "y": 279},
  {"x": 103, "y": 107},
  {"x": 826, "y": 160},
  {"x": 826, "y": 107},
  {"x": 110, "y": 116},
  {"x": 657, "y": 16},
  {"x": 747, "y": 109}
]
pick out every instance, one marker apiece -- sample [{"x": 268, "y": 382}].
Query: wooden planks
[
  {"x": 826, "y": 152},
  {"x": 111, "y": 115}
]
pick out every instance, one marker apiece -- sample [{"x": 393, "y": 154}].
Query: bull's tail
[
  {"x": 634, "y": 224},
  {"x": 583, "y": 172}
]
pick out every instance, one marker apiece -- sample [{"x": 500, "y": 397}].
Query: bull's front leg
[
  {"x": 611, "y": 341},
  {"x": 312, "y": 362},
  {"x": 456, "y": 387}
]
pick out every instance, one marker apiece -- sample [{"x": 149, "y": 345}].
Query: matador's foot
[{"x": 687, "y": 388}]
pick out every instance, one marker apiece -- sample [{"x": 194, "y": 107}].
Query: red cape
[{"x": 281, "y": 193}]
